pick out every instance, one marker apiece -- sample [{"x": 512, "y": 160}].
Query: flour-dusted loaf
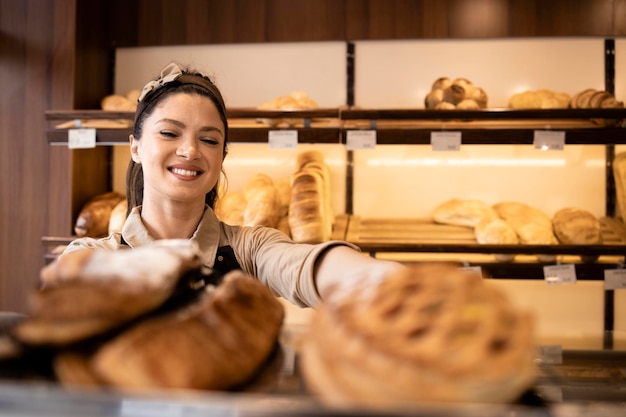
[
  {"x": 307, "y": 209},
  {"x": 311, "y": 216},
  {"x": 463, "y": 212},
  {"x": 576, "y": 226},
  {"x": 495, "y": 231},
  {"x": 532, "y": 225},
  {"x": 429, "y": 333},
  {"x": 93, "y": 219},
  {"x": 89, "y": 292},
  {"x": 540, "y": 99},
  {"x": 218, "y": 343}
]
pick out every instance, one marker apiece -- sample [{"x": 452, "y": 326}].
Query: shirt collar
[{"x": 207, "y": 235}]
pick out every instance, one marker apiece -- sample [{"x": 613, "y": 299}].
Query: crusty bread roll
[
  {"x": 532, "y": 225},
  {"x": 307, "y": 209},
  {"x": 495, "y": 231},
  {"x": 230, "y": 208},
  {"x": 468, "y": 104},
  {"x": 218, "y": 343},
  {"x": 118, "y": 217},
  {"x": 433, "y": 98},
  {"x": 539, "y": 99},
  {"x": 93, "y": 219},
  {"x": 463, "y": 212},
  {"x": 454, "y": 94},
  {"x": 89, "y": 292},
  {"x": 441, "y": 83},
  {"x": 428, "y": 333},
  {"x": 262, "y": 207},
  {"x": 576, "y": 226},
  {"x": 117, "y": 102},
  {"x": 460, "y": 93}
]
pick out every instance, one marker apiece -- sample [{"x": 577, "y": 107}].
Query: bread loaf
[
  {"x": 495, "y": 231},
  {"x": 531, "y": 225},
  {"x": 118, "y": 217},
  {"x": 431, "y": 333},
  {"x": 460, "y": 93},
  {"x": 463, "y": 212},
  {"x": 576, "y": 226},
  {"x": 262, "y": 207},
  {"x": 307, "y": 210},
  {"x": 93, "y": 219},
  {"x": 89, "y": 292},
  {"x": 539, "y": 99},
  {"x": 230, "y": 208},
  {"x": 218, "y": 343}
]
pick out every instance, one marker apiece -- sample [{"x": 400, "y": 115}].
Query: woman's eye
[
  {"x": 209, "y": 141},
  {"x": 168, "y": 134}
]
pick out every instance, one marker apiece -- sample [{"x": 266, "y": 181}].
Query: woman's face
[{"x": 181, "y": 149}]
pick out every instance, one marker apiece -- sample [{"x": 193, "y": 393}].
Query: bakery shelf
[
  {"x": 245, "y": 125},
  {"x": 418, "y": 237},
  {"x": 488, "y": 126},
  {"x": 393, "y": 126}
]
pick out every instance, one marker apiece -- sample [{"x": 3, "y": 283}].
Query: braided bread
[{"x": 429, "y": 333}]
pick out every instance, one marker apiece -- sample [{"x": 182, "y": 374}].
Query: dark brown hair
[{"x": 189, "y": 82}]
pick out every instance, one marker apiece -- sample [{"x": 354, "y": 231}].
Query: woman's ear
[{"x": 134, "y": 146}]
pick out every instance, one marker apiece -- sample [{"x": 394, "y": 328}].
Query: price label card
[
  {"x": 559, "y": 274},
  {"x": 550, "y": 354},
  {"x": 282, "y": 139},
  {"x": 360, "y": 139},
  {"x": 549, "y": 140},
  {"x": 445, "y": 141},
  {"x": 614, "y": 279},
  {"x": 81, "y": 138}
]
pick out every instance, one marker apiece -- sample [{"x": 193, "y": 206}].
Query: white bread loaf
[
  {"x": 462, "y": 212},
  {"x": 495, "y": 231},
  {"x": 533, "y": 226},
  {"x": 307, "y": 209}
]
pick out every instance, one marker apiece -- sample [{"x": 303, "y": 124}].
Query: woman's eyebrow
[{"x": 182, "y": 125}]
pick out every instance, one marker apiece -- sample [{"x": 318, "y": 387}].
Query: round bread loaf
[{"x": 432, "y": 332}]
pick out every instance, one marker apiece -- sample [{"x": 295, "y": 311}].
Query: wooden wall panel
[
  {"x": 304, "y": 20},
  {"x": 166, "y": 22},
  {"x": 620, "y": 18},
  {"x": 32, "y": 47}
]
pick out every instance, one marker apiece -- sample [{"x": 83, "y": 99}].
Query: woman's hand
[{"x": 341, "y": 270}]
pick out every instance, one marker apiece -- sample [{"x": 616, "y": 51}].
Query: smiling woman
[{"x": 178, "y": 144}]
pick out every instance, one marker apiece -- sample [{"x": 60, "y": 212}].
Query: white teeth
[{"x": 184, "y": 172}]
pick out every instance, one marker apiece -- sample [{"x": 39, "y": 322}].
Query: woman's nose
[{"x": 188, "y": 149}]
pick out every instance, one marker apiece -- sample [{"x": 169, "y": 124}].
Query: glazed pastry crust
[{"x": 431, "y": 333}]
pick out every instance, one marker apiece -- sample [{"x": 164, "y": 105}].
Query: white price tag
[
  {"x": 559, "y": 274},
  {"x": 549, "y": 140},
  {"x": 81, "y": 138},
  {"x": 445, "y": 141},
  {"x": 614, "y": 279},
  {"x": 360, "y": 139},
  {"x": 283, "y": 139}
]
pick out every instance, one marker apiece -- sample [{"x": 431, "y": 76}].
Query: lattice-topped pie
[{"x": 429, "y": 333}]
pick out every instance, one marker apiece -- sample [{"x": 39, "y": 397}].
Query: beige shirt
[{"x": 284, "y": 266}]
